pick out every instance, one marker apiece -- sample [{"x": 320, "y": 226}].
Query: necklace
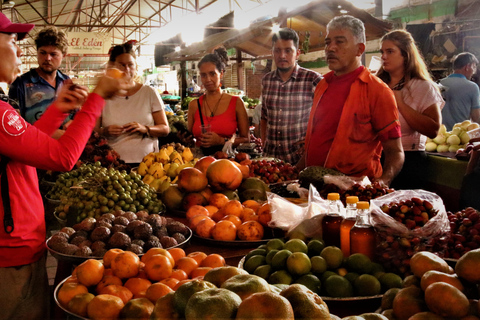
[{"x": 212, "y": 112}]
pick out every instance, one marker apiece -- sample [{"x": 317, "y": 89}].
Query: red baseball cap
[{"x": 21, "y": 29}]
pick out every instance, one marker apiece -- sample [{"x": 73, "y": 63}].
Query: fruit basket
[
  {"x": 55, "y": 297},
  {"x": 76, "y": 260}
]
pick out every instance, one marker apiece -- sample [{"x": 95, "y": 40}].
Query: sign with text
[{"x": 88, "y": 43}]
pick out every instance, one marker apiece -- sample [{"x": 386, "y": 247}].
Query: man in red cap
[{"x": 24, "y": 291}]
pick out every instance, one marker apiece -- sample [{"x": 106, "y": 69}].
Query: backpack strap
[{"x": 7, "y": 210}]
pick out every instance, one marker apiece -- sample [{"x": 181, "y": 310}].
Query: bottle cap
[
  {"x": 363, "y": 205},
  {"x": 333, "y": 196},
  {"x": 352, "y": 199}
]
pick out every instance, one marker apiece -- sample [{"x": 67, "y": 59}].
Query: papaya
[
  {"x": 467, "y": 266},
  {"x": 424, "y": 261},
  {"x": 446, "y": 300},
  {"x": 433, "y": 276},
  {"x": 407, "y": 302}
]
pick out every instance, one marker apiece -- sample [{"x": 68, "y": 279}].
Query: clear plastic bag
[
  {"x": 346, "y": 182},
  {"x": 396, "y": 243}
]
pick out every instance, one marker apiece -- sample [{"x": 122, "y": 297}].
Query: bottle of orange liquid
[
  {"x": 362, "y": 234},
  {"x": 347, "y": 224},
  {"x": 331, "y": 222}
]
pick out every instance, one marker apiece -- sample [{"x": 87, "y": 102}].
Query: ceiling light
[
  {"x": 275, "y": 28},
  {"x": 8, "y": 4},
  {"x": 177, "y": 49}
]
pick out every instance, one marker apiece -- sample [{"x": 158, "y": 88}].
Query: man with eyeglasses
[
  {"x": 462, "y": 96},
  {"x": 36, "y": 89},
  {"x": 287, "y": 96}
]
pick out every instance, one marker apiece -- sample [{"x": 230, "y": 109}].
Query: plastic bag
[
  {"x": 346, "y": 182},
  {"x": 228, "y": 147},
  {"x": 396, "y": 244}
]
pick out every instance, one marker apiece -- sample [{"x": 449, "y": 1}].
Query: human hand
[
  {"x": 132, "y": 127},
  {"x": 113, "y": 130},
  {"x": 186, "y": 138},
  {"x": 71, "y": 96},
  {"x": 209, "y": 139},
  {"x": 111, "y": 84}
]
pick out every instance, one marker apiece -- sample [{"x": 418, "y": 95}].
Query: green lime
[
  {"x": 280, "y": 276},
  {"x": 360, "y": 263},
  {"x": 263, "y": 271},
  {"x": 351, "y": 276},
  {"x": 319, "y": 265},
  {"x": 310, "y": 281},
  {"x": 279, "y": 260},
  {"x": 275, "y": 244},
  {"x": 390, "y": 280},
  {"x": 262, "y": 246},
  {"x": 315, "y": 247},
  {"x": 254, "y": 252},
  {"x": 326, "y": 275},
  {"x": 367, "y": 285},
  {"x": 298, "y": 263},
  {"x": 254, "y": 262},
  {"x": 333, "y": 256},
  {"x": 411, "y": 280},
  {"x": 296, "y": 245},
  {"x": 270, "y": 254},
  {"x": 338, "y": 287},
  {"x": 376, "y": 267},
  {"x": 297, "y": 234},
  {"x": 387, "y": 299}
]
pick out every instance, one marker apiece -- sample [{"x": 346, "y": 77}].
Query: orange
[
  {"x": 119, "y": 291},
  {"x": 73, "y": 279},
  {"x": 105, "y": 307},
  {"x": 192, "y": 223},
  {"x": 136, "y": 285},
  {"x": 204, "y": 228},
  {"x": 158, "y": 267},
  {"x": 90, "y": 272},
  {"x": 70, "y": 290},
  {"x": 108, "y": 280},
  {"x": 195, "y": 210},
  {"x": 264, "y": 214},
  {"x": 179, "y": 274},
  {"x": 126, "y": 265},
  {"x": 109, "y": 256},
  {"x": 252, "y": 204},
  {"x": 250, "y": 230},
  {"x": 171, "y": 282},
  {"x": 107, "y": 272},
  {"x": 156, "y": 291},
  {"x": 211, "y": 209},
  {"x": 218, "y": 200},
  {"x": 177, "y": 253},
  {"x": 115, "y": 73},
  {"x": 187, "y": 264},
  {"x": 154, "y": 251},
  {"x": 141, "y": 294},
  {"x": 198, "y": 256},
  {"x": 199, "y": 272},
  {"x": 180, "y": 283},
  {"x": 233, "y": 207},
  {"x": 236, "y": 220},
  {"x": 248, "y": 215},
  {"x": 213, "y": 260},
  {"x": 218, "y": 215},
  {"x": 224, "y": 230}
]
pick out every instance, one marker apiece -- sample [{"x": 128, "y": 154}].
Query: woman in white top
[
  {"x": 133, "y": 122},
  {"x": 419, "y": 103}
]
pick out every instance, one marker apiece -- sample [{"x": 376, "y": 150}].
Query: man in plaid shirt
[{"x": 287, "y": 96}]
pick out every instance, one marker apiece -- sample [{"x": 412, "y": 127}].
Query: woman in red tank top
[{"x": 223, "y": 113}]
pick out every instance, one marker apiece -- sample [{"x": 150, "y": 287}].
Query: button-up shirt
[{"x": 286, "y": 107}]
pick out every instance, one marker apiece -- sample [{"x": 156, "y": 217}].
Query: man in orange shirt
[{"x": 354, "y": 114}]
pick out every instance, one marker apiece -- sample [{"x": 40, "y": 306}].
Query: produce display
[
  {"x": 160, "y": 169},
  {"x": 97, "y": 149},
  {"x": 136, "y": 232},
  {"x": 273, "y": 171},
  {"x": 451, "y": 141},
  {"x": 323, "y": 270},
  {"x": 364, "y": 193},
  {"x": 91, "y": 190},
  {"x": 314, "y": 175},
  {"x": 229, "y": 220},
  {"x": 176, "y": 121},
  {"x": 435, "y": 290},
  {"x": 465, "y": 232}
]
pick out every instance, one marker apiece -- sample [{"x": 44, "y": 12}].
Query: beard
[
  {"x": 285, "y": 69},
  {"x": 48, "y": 69}
]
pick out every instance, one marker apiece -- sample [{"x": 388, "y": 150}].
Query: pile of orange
[
  {"x": 229, "y": 220},
  {"x": 100, "y": 290}
]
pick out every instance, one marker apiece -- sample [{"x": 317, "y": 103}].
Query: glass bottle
[
  {"x": 347, "y": 224},
  {"x": 362, "y": 234},
  {"x": 331, "y": 222}
]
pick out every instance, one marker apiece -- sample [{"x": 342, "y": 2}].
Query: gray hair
[{"x": 353, "y": 24}]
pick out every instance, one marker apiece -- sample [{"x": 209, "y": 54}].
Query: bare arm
[
  {"x": 192, "y": 109},
  {"x": 242, "y": 124},
  {"x": 427, "y": 123},
  {"x": 394, "y": 158},
  {"x": 475, "y": 115}
]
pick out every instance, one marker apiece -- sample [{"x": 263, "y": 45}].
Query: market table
[{"x": 444, "y": 177}]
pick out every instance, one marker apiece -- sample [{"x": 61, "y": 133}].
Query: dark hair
[
  {"x": 219, "y": 58},
  {"x": 286, "y": 34},
  {"x": 50, "y": 36},
  {"x": 121, "y": 49},
  {"x": 463, "y": 59}
]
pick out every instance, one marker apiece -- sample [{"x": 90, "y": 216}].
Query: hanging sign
[{"x": 88, "y": 43}]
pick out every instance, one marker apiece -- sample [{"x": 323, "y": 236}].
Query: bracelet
[{"x": 148, "y": 131}]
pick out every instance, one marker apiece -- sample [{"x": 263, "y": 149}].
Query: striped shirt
[{"x": 286, "y": 108}]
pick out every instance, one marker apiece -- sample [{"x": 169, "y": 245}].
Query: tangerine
[
  {"x": 179, "y": 274},
  {"x": 154, "y": 251},
  {"x": 109, "y": 256},
  {"x": 104, "y": 307},
  {"x": 213, "y": 260},
  {"x": 171, "y": 282},
  {"x": 136, "y": 285},
  {"x": 157, "y": 290},
  {"x": 192, "y": 223},
  {"x": 126, "y": 265},
  {"x": 177, "y": 253},
  {"x": 224, "y": 230},
  {"x": 119, "y": 291},
  {"x": 108, "y": 280},
  {"x": 187, "y": 264},
  {"x": 199, "y": 272},
  {"x": 90, "y": 272},
  {"x": 218, "y": 200},
  {"x": 198, "y": 256},
  {"x": 236, "y": 220},
  {"x": 196, "y": 210},
  {"x": 250, "y": 230},
  {"x": 69, "y": 290},
  {"x": 204, "y": 228},
  {"x": 252, "y": 204},
  {"x": 158, "y": 267}
]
